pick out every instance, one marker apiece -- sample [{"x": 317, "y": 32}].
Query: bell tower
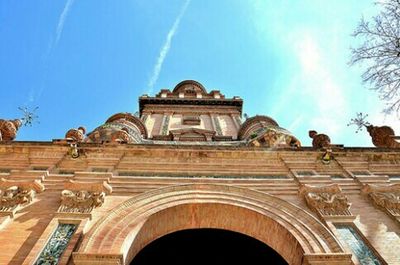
[{"x": 190, "y": 113}]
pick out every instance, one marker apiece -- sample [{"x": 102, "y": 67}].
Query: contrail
[
  {"x": 49, "y": 50},
  {"x": 61, "y": 20},
  {"x": 165, "y": 48}
]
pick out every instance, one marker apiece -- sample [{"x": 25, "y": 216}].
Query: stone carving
[
  {"x": 264, "y": 131},
  {"x": 9, "y": 129},
  {"x": 383, "y": 136},
  {"x": 121, "y": 127},
  {"x": 385, "y": 197},
  {"x": 83, "y": 197},
  {"x": 16, "y": 193},
  {"x": 326, "y": 200},
  {"x": 319, "y": 140},
  {"x": 121, "y": 136},
  {"x": 78, "y": 135}
]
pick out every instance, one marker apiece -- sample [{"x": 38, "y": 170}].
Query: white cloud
[
  {"x": 165, "y": 48},
  {"x": 323, "y": 91}
]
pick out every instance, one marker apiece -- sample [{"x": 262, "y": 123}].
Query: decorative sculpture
[
  {"x": 9, "y": 129},
  {"x": 382, "y": 136},
  {"x": 17, "y": 193},
  {"x": 121, "y": 136},
  {"x": 385, "y": 197},
  {"x": 83, "y": 197},
  {"x": 326, "y": 200},
  {"x": 319, "y": 140},
  {"x": 78, "y": 135},
  {"x": 264, "y": 131}
]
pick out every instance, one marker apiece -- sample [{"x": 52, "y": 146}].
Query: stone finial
[
  {"x": 319, "y": 140},
  {"x": 78, "y": 135},
  {"x": 83, "y": 197},
  {"x": 9, "y": 129},
  {"x": 326, "y": 200},
  {"x": 383, "y": 136}
]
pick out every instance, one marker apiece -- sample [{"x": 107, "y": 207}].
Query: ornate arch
[
  {"x": 181, "y": 86},
  {"x": 131, "y": 118},
  {"x": 246, "y": 127},
  {"x": 296, "y": 235}
]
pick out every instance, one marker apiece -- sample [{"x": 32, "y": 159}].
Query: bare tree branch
[{"x": 379, "y": 52}]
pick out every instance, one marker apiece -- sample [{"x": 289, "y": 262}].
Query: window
[
  {"x": 358, "y": 173},
  {"x": 305, "y": 173},
  {"x": 348, "y": 234},
  {"x": 337, "y": 176},
  {"x": 56, "y": 245}
]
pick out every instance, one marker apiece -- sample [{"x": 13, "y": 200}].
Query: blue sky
[{"x": 82, "y": 61}]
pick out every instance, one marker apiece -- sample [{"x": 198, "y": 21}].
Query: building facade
[{"x": 188, "y": 161}]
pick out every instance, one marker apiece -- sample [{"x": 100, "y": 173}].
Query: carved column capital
[{"x": 326, "y": 200}]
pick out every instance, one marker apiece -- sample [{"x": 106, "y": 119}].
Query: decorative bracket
[
  {"x": 83, "y": 197},
  {"x": 326, "y": 201},
  {"x": 385, "y": 197},
  {"x": 14, "y": 194}
]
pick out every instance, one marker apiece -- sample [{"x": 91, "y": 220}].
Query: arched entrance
[
  {"x": 295, "y": 234},
  {"x": 207, "y": 246}
]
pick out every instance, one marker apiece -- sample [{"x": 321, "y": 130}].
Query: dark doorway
[{"x": 207, "y": 247}]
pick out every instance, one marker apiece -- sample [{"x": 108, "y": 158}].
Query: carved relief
[
  {"x": 77, "y": 135},
  {"x": 385, "y": 197},
  {"x": 9, "y": 129},
  {"x": 319, "y": 140},
  {"x": 17, "y": 193},
  {"x": 326, "y": 200},
  {"x": 83, "y": 197}
]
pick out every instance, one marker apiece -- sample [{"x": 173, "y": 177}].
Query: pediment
[{"x": 192, "y": 134}]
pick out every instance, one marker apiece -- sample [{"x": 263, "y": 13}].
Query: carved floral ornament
[
  {"x": 326, "y": 200},
  {"x": 385, "y": 197},
  {"x": 83, "y": 197},
  {"x": 17, "y": 193}
]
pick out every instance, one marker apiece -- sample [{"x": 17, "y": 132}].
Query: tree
[{"x": 379, "y": 51}]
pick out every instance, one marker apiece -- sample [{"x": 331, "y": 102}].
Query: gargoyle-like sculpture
[
  {"x": 383, "y": 136},
  {"x": 326, "y": 200},
  {"x": 385, "y": 197},
  {"x": 82, "y": 197},
  {"x": 78, "y": 135},
  {"x": 319, "y": 140},
  {"x": 16, "y": 193},
  {"x": 9, "y": 129}
]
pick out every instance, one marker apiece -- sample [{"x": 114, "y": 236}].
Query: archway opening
[{"x": 207, "y": 246}]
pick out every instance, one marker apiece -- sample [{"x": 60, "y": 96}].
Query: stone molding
[
  {"x": 326, "y": 200},
  {"x": 14, "y": 193},
  {"x": 83, "y": 197}
]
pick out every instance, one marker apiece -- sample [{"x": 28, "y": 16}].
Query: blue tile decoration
[
  {"x": 363, "y": 253},
  {"x": 55, "y": 247}
]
